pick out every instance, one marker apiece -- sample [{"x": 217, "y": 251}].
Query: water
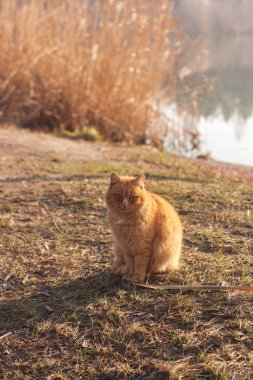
[
  {"x": 225, "y": 52},
  {"x": 226, "y": 123},
  {"x": 227, "y": 140}
]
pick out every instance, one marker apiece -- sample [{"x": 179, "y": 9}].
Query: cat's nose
[{"x": 125, "y": 203}]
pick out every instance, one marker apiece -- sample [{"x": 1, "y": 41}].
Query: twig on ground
[
  {"x": 58, "y": 228},
  {"x": 5, "y": 335},
  {"x": 223, "y": 288}
]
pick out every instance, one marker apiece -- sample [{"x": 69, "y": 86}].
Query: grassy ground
[{"x": 69, "y": 319}]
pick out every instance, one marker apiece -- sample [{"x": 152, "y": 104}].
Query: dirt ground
[
  {"x": 21, "y": 145},
  {"x": 62, "y": 316}
]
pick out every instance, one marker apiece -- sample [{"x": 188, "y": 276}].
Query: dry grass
[
  {"x": 70, "y": 320},
  {"x": 68, "y": 65}
]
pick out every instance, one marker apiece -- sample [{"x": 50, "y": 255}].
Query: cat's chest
[
  {"x": 125, "y": 223},
  {"x": 125, "y": 229},
  {"x": 120, "y": 222},
  {"x": 132, "y": 237}
]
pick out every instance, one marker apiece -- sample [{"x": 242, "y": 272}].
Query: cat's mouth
[{"x": 125, "y": 209}]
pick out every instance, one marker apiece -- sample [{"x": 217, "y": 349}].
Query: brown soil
[{"x": 20, "y": 145}]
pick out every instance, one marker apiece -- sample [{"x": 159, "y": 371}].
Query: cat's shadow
[{"x": 61, "y": 301}]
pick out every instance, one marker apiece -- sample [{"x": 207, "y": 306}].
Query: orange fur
[{"x": 146, "y": 229}]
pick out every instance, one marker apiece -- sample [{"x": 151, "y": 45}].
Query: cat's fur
[{"x": 146, "y": 229}]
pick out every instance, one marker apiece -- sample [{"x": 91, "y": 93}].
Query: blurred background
[
  {"x": 176, "y": 74},
  {"x": 223, "y": 31}
]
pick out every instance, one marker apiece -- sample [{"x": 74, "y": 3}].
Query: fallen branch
[{"x": 223, "y": 288}]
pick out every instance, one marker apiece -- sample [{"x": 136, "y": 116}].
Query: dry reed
[{"x": 68, "y": 65}]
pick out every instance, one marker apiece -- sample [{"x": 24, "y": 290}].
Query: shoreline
[{"x": 19, "y": 144}]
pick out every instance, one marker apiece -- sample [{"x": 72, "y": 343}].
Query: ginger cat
[{"x": 146, "y": 229}]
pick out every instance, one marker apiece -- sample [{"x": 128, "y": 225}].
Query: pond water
[
  {"x": 227, "y": 140},
  {"x": 226, "y": 123}
]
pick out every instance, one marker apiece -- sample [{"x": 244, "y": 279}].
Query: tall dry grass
[{"x": 104, "y": 63}]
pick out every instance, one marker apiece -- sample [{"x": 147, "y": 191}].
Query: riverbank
[{"x": 67, "y": 318}]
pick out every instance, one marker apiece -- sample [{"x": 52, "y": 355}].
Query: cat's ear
[
  {"x": 139, "y": 181},
  {"x": 115, "y": 178}
]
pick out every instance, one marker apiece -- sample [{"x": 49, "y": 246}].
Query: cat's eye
[{"x": 133, "y": 197}]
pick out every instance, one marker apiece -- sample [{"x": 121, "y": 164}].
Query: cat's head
[{"x": 126, "y": 194}]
